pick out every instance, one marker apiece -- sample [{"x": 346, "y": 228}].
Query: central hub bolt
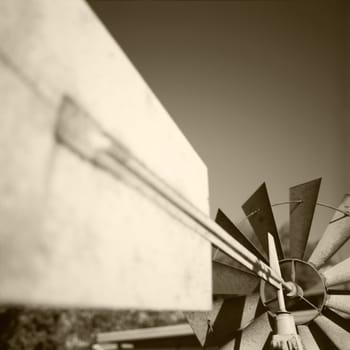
[
  {"x": 294, "y": 290},
  {"x": 301, "y": 279}
]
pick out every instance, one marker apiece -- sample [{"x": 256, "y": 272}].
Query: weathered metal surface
[
  {"x": 339, "y": 336},
  {"x": 227, "y": 244},
  {"x": 252, "y": 337},
  {"x": 336, "y": 234},
  {"x": 252, "y": 309},
  {"x": 339, "y": 303},
  {"x": 233, "y": 230},
  {"x": 259, "y": 211},
  {"x": 223, "y": 258},
  {"x": 220, "y": 325},
  {"x": 286, "y": 342},
  {"x": 307, "y": 338},
  {"x": 285, "y": 323},
  {"x": 149, "y": 333},
  {"x": 337, "y": 274},
  {"x": 322, "y": 340},
  {"x": 231, "y": 281},
  {"x": 202, "y": 322},
  {"x": 301, "y": 215},
  {"x": 71, "y": 231},
  {"x": 336, "y": 318},
  {"x": 275, "y": 266}
]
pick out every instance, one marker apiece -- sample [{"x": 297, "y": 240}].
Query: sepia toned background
[{"x": 259, "y": 88}]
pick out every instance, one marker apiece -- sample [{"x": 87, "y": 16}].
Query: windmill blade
[
  {"x": 301, "y": 215},
  {"x": 339, "y": 336},
  {"x": 337, "y": 274},
  {"x": 339, "y": 302},
  {"x": 336, "y": 234},
  {"x": 231, "y": 281},
  {"x": 321, "y": 338},
  {"x": 259, "y": 212},
  {"x": 219, "y": 325},
  {"x": 237, "y": 255},
  {"x": 201, "y": 321},
  {"x": 219, "y": 256},
  {"x": 338, "y": 291},
  {"x": 307, "y": 338},
  {"x": 233, "y": 230},
  {"x": 252, "y": 337},
  {"x": 336, "y": 318}
]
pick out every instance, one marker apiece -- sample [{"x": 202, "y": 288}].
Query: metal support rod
[
  {"x": 344, "y": 212},
  {"x": 84, "y": 136}
]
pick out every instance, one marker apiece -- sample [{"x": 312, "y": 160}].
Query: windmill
[
  {"x": 248, "y": 313},
  {"x": 74, "y": 212}
]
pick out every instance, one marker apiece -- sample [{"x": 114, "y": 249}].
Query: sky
[{"x": 259, "y": 88}]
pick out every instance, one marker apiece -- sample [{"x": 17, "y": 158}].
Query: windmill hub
[
  {"x": 295, "y": 290},
  {"x": 307, "y": 289},
  {"x": 307, "y": 308}
]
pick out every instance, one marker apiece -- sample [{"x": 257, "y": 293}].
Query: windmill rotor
[{"x": 247, "y": 308}]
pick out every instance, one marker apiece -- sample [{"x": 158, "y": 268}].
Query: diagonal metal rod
[
  {"x": 309, "y": 303},
  {"x": 84, "y": 136},
  {"x": 344, "y": 212}
]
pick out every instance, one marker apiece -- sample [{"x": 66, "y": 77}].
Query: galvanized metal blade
[
  {"x": 336, "y": 234},
  {"x": 201, "y": 322},
  {"x": 303, "y": 200},
  {"x": 223, "y": 258},
  {"x": 337, "y": 274},
  {"x": 307, "y": 338},
  {"x": 336, "y": 318},
  {"x": 321, "y": 338},
  {"x": 220, "y": 325},
  {"x": 339, "y": 336},
  {"x": 259, "y": 212},
  {"x": 253, "y": 337},
  {"x": 231, "y": 281},
  {"x": 233, "y": 230},
  {"x": 339, "y": 303},
  {"x": 338, "y": 291}
]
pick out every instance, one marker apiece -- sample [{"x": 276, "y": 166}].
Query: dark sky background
[{"x": 258, "y": 87}]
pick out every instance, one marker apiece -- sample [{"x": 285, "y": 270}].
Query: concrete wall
[
  {"x": 84, "y": 223},
  {"x": 256, "y": 86}
]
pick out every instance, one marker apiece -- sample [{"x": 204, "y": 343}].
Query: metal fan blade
[
  {"x": 252, "y": 337},
  {"x": 259, "y": 212},
  {"x": 303, "y": 199},
  {"x": 338, "y": 291},
  {"x": 339, "y": 336},
  {"x": 337, "y": 274},
  {"x": 336, "y": 234},
  {"x": 339, "y": 302},
  {"x": 233, "y": 230},
  {"x": 336, "y": 318},
  {"x": 219, "y": 325},
  {"x": 201, "y": 321},
  {"x": 228, "y": 280},
  {"x": 223, "y": 258},
  {"x": 307, "y": 338}
]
